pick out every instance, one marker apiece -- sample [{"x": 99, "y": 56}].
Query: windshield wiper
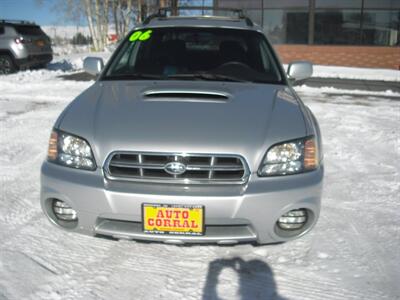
[
  {"x": 199, "y": 76},
  {"x": 132, "y": 76},
  {"x": 207, "y": 76}
]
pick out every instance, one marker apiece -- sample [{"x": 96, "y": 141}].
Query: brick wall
[{"x": 351, "y": 56}]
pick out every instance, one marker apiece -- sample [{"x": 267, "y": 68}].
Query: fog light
[
  {"x": 63, "y": 211},
  {"x": 293, "y": 220}
]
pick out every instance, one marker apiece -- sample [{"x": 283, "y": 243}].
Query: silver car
[
  {"x": 23, "y": 45},
  {"x": 192, "y": 133}
]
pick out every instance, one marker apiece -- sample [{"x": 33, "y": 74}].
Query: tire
[
  {"x": 40, "y": 66},
  {"x": 7, "y": 65}
]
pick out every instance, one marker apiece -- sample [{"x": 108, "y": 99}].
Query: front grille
[{"x": 199, "y": 168}]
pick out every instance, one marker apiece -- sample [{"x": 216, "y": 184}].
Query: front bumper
[{"x": 234, "y": 214}]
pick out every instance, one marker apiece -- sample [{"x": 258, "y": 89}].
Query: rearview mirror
[
  {"x": 93, "y": 65},
  {"x": 300, "y": 70}
]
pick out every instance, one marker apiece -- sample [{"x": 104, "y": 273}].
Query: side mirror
[
  {"x": 299, "y": 70},
  {"x": 93, "y": 65}
]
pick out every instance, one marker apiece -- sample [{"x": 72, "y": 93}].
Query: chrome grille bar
[
  {"x": 199, "y": 168},
  {"x": 212, "y": 163},
  {"x": 140, "y": 159}
]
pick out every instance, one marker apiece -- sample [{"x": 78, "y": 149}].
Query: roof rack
[
  {"x": 163, "y": 13},
  {"x": 21, "y": 22}
]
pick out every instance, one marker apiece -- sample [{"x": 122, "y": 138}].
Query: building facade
[{"x": 362, "y": 33}]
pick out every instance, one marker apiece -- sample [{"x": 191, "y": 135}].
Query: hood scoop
[{"x": 186, "y": 96}]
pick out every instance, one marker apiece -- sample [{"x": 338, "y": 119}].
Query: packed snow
[
  {"x": 374, "y": 74},
  {"x": 331, "y": 90},
  {"x": 70, "y": 58},
  {"x": 356, "y": 73},
  {"x": 352, "y": 253}
]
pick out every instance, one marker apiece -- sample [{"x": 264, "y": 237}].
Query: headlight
[
  {"x": 290, "y": 158},
  {"x": 71, "y": 151}
]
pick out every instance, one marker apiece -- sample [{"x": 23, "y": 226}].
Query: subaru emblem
[{"x": 175, "y": 168}]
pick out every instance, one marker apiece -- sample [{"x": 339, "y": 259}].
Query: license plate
[
  {"x": 173, "y": 219},
  {"x": 40, "y": 43}
]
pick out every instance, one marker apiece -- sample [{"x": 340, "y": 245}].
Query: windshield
[{"x": 213, "y": 54}]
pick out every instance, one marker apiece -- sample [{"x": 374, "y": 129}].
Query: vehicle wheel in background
[
  {"x": 7, "y": 65},
  {"x": 39, "y": 66},
  {"x": 42, "y": 66}
]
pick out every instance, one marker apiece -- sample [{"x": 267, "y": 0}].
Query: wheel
[
  {"x": 6, "y": 64},
  {"x": 39, "y": 66},
  {"x": 42, "y": 66}
]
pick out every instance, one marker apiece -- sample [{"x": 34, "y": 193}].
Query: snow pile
[
  {"x": 73, "y": 61},
  {"x": 62, "y": 50},
  {"x": 64, "y": 65},
  {"x": 356, "y": 73},
  {"x": 331, "y": 90}
]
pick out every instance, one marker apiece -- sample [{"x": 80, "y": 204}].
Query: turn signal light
[
  {"x": 310, "y": 155},
  {"x": 52, "y": 151}
]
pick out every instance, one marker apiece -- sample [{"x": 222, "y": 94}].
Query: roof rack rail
[
  {"x": 163, "y": 13},
  {"x": 22, "y": 22}
]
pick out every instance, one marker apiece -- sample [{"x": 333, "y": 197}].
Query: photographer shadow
[{"x": 255, "y": 278}]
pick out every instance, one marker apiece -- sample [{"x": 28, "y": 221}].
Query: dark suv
[{"x": 23, "y": 45}]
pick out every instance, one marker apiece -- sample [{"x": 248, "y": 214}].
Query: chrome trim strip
[
  {"x": 183, "y": 92},
  {"x": 189, "y": 167},
  {"x": 228, "y": 234},
  {"x": 137, "y": 165}
]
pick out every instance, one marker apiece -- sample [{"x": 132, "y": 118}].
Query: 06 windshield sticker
[{"x": 140, "y": 36}]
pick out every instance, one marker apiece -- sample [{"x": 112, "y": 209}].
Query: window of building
[
  {"x": 381, "y": 27},
  {"x": 285, "y": 4},
  {"x": 330, "y": 22},
  {"x": 338, "y": 4},
  {"x": 340, "y": 27},
  {"x": 195, "y": 3},
  {"x": 286, "y": 26},
  {"x": 255, "y": 15},
  {"x": 382, "y": 4},
  {"x": 248, "y": 4}
]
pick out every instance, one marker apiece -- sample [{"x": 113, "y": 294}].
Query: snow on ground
[
  {"x": 351, "y": 254},
  {"x": 71, "y": 58},
  {"x": 355, "y": 73},
  {"x": 331, "y": 90},
  {"x": 66, "y": 49}
]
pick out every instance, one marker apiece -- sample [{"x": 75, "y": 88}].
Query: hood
[{"x": 184, "y": 117}]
